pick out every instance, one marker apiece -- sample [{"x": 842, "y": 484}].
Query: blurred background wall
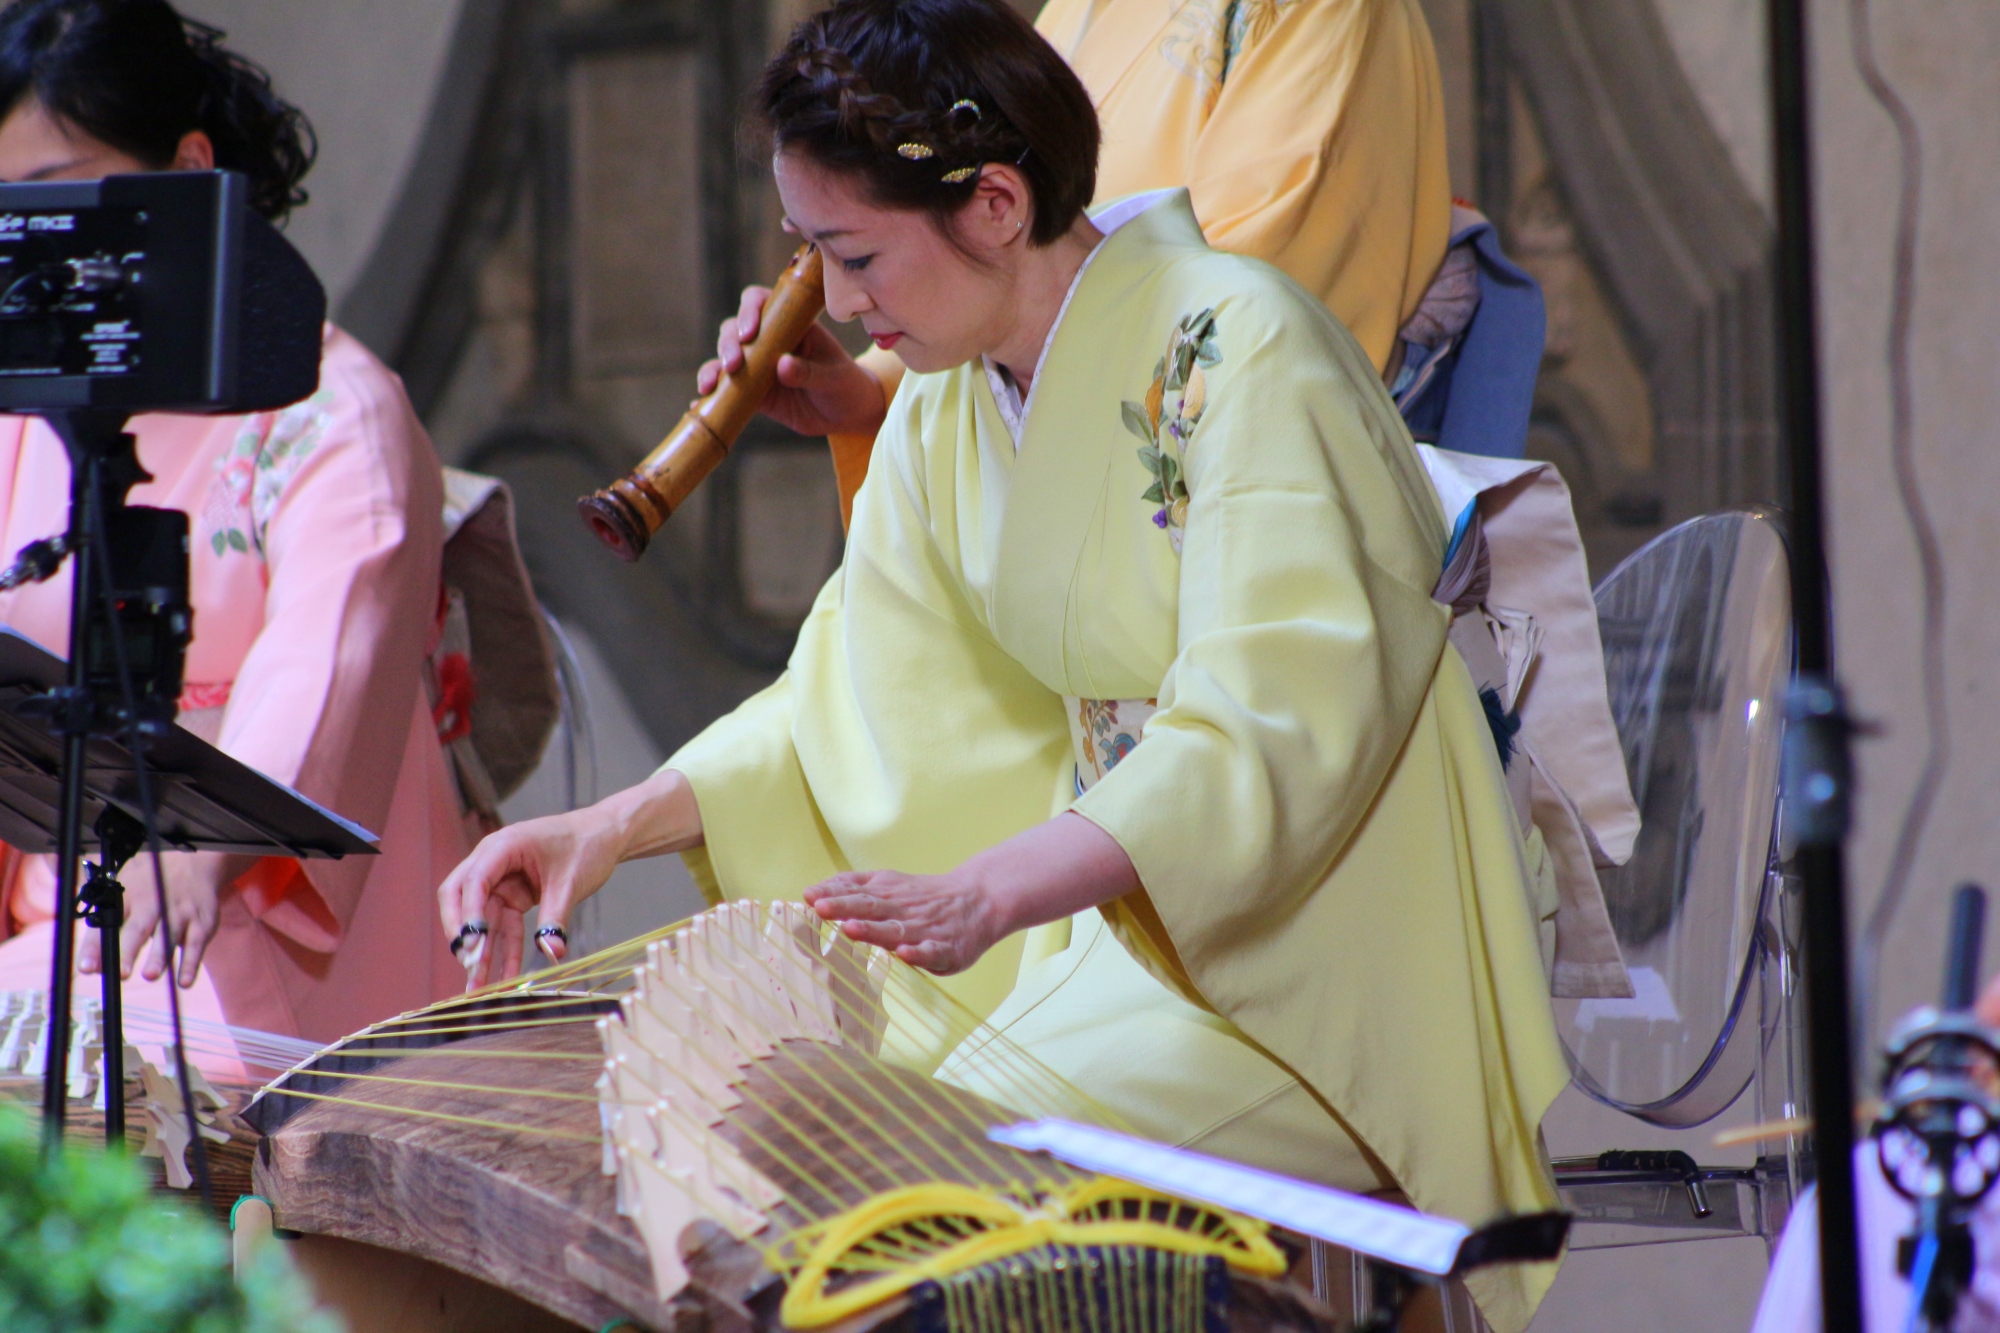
[{"x": 538, "y": 212}]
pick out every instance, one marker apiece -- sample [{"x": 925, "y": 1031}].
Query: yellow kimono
[
  {"x": 1310, "y": 133},
  {"x": 1213, "y": 508}
]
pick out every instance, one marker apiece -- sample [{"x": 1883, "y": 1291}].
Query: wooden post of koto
[{"x": 627, "y": 513}]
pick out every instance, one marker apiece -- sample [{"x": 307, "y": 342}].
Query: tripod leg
[
  {"x": 111, "y": 1066},
  {"x": 75, "y": 723},
  {"x": 119, "y": 838}
]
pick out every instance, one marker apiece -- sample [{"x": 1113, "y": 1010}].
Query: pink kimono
[{"x": 315, "y": 581}]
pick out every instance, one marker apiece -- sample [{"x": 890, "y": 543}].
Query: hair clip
[
  {"x": 916, "y": 152},
  {"x": 968, "y": 104},
  {"x": 960, "y": 176}
]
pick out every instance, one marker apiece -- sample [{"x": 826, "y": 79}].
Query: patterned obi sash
[{"x": 1104, "y": 731}]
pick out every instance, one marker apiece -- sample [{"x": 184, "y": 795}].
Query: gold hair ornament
[
  {"x": 960, "y": 175},
  {"x": 915, "y": 152}
]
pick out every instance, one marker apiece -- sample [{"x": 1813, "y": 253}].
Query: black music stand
[{"x": 204, "y": 801}]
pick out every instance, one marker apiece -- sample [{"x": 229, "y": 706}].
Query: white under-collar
[{"x": 1006, "y": 393}]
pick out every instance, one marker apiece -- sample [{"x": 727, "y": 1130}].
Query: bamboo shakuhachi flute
[{"x": 627, "y": 513}]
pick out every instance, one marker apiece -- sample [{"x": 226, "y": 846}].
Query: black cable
[
  {"x": 149, "y": 817},
  {"x": 1909, "y": 491}
]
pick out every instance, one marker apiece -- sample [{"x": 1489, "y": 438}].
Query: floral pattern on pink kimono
[{"x": 316, "y": 541}]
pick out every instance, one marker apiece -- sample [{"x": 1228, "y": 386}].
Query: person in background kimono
[
  {"x": 1129, "y": 711},
  {"x": 1309, "y": 133},
  {"x": 316, "y": 537}
]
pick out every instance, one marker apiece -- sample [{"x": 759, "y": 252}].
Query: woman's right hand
[
  {"x": 555, "y": 863},
  {"x": 821, "y": 390}
]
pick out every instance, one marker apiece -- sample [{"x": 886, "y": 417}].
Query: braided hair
[
  {"x": 136, "y": 75},
  {"x": 914, "y": 97}
]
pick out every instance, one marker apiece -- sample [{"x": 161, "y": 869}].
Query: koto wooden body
[
  {"x": 661, "y": 1156},
  {"x": 524, "y": 1204},
  {"x": 528, "y": 1212}
]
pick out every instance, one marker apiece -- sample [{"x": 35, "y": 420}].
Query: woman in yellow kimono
[{"x": 1133, "y": 650}]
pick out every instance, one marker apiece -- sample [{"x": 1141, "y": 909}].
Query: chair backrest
[{"x": 1697, "y": 633}]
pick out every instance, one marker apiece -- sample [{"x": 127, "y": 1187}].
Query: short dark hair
[
  {"x": 138, "y": 76},
  {"x": 915, "y": 96}
]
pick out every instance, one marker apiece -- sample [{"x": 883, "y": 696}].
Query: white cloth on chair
[{"x": 1527, "y": 626}]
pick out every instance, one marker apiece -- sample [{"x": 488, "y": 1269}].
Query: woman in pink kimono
[{"x": 316, "y": 535}]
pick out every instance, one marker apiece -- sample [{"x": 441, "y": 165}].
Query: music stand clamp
[{"x": 77, "y": 720}]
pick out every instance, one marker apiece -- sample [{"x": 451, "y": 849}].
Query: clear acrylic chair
[{"x": 1698, "y": 650}]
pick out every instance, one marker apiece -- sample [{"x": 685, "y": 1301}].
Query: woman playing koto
[
  {"x": 1129, "y": 709},
  {"x": 316, "y": 536}
]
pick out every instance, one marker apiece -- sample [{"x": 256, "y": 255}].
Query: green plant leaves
[{"x": 86, "y": 1247}]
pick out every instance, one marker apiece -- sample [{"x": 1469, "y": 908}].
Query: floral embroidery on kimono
[
  {"x": 1103, "y": 731},
  {"x": 1167, "y": 428},
  {"x": 252, "y": 476}
]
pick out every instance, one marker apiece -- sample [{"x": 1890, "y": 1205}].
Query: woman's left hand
[
  {"x": 941, "y": 923},
  {"x": 944, "y": 923},
  {"x": 195, "y": 884}
]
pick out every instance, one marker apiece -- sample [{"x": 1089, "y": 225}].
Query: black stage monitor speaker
[{"x": 163, "y": 292}]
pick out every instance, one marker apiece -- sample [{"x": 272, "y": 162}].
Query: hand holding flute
[
  {"x": 820, "y": 389},
  {"x": 775, "y": 358}
]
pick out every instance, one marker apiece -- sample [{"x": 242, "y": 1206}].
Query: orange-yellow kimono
[
  {"x": 314, "y": 574},
  {"x": 1310, "y": 134}
]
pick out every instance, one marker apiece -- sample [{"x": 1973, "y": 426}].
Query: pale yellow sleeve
[
  {"x": 1325, "y": 156},
  {"x": 902, "y": 736},
  {"x": 1308, "y": 643},
  {"x": 762, "y": 835}
]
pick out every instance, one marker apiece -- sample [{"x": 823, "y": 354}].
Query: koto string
[
  {"x": 922, "y": 1131},
  {"x": 754, "y": 977},
  {"x": 809, "y": 1089},
  {"x": 749, "y": 1022},
  {"x": 426, "y": 1022}
]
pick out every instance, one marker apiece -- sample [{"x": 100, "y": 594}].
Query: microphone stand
[
  {"x": 1818, "y": 768},
  {"x": 1938, "y": 1137}
]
